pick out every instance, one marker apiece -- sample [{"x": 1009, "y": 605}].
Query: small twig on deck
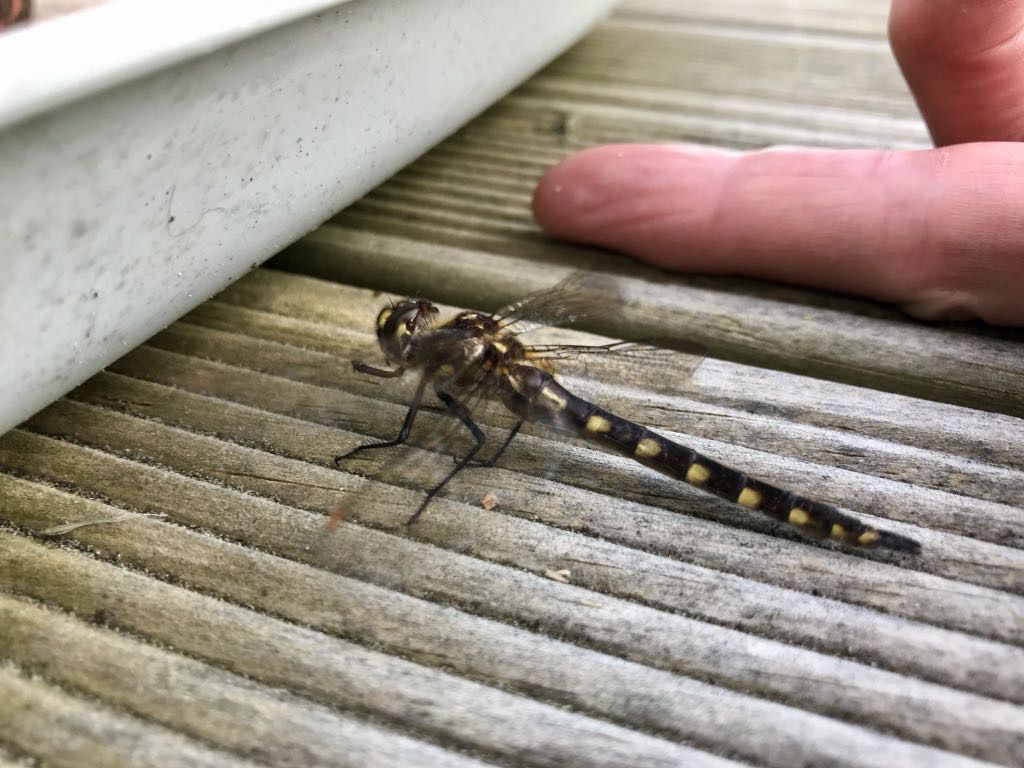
[{"x": 59, "y": 530}]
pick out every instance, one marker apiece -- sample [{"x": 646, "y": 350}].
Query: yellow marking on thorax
[
  {"x": 446, "y": 369},
  {"x": 500, "y": 346},
  {"x": 697, "y": 474},
  {"x": 799, "y": 516},
  {"x": 647, "y": 448},
  {"x": 749, "y": 498},
  {"x": 598, "y": 424},
  {"x": 868, "y": 538},
  {"x": 553, "y": 398},
  {"x": 383, "y": 317}
]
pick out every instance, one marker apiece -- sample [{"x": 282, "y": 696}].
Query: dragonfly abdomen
[{"x": 552, "y": 403}]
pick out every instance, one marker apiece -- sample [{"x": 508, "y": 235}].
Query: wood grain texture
[
  {"x": 771, "y": 327},
  {"x": 60, "y": 729},
  {"x": 600, "y": 614},
  {"x": 9, "y": 760},
  {"x": 226, "y": 424},
  {"x": 807, "y": 16},
  {"x": 195, "y": 698}
]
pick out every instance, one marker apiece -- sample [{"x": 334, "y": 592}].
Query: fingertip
[
  {"x": 601, "y": 195},
  {"x": 556, "y": 194},
  {"x": 571, "y": 190},
  {"x": 961, "y": 61}
]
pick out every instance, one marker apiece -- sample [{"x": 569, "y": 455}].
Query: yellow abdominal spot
[
  {"x": 749, "y": 498},
  {"x": 798, "y": 516},
  {"x": 553, "y": 398},
  {"x": 647, "y": 449},
  {"x": 598, "y": 424},
  {"x": 697, "y": 474},
  {"x": 838, "y": 532},
  {"x": 868, "y": 538},
  {"x": 446, "y": 369}
]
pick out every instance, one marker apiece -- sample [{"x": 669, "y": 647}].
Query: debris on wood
[{"x": 60, "y": 530}]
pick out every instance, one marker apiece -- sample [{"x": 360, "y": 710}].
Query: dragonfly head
[{"x": 398, "y": 323}]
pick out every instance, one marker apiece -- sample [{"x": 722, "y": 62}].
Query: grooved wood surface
[{"x": 601, "y": 614}]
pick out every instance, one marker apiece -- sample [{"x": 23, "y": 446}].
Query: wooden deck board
[
  {"x": 279, "y": 405},
  {"x": 188, "y": 695},
  {"x": 601, "y": 615},
  {"x": 836, "y": 16},
  {"x": 66, "y": 730},
  {"x": 769, "y": 326}
]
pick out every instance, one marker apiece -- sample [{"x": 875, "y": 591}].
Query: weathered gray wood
[
  {"x": 290, "y": 294},
  {"x": 838, "y": 72},
  {"x": 444, "y": 528},
  {"x": 993, "y": 521},
  {"x": 769, "y": 401},
  {"x": 841, "y": 16},
  {"x": 998, "y": 567},
  {"x": 315, "y": 315},
  {"x": 12, "y": 758},
  {"x": 204, "y": 702},
  {"x": 779, "y": 328},
  {"x": 60, "y": 729},
  {"x": 997, "y": 522},
  {"x": 738, "y": 68},
  {"x": 599, "y": 678},
  {"x": 600, "y": 615},
  {"x": 893, "y": 644},
  {"x": 327, "y": 669}
]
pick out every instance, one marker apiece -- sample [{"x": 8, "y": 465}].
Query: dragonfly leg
[
  {"x": 380, "y": 373},
  {"x": 460, "y": 410},
  {"x": 497, "y": 454},
  {"x": 403, "y": 433}
]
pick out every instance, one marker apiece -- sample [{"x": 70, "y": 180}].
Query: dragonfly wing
[
  {"x": 584, "y": 296},
  {"x": 581, "y": 295},
  {"x": 559, "y": 349},
  {"x": 412, "y": 464}
]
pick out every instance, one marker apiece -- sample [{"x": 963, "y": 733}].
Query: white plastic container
[{"x": 151, "y": 152}]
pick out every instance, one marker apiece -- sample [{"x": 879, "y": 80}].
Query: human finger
[
  {"x": 964, "y": 62},
  {"x": 937, "y": 231}
]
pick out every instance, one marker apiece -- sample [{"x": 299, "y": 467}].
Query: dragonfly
[{"x": 477, "y": 356}]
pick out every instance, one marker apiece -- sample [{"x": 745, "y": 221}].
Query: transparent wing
[
  {"x": 636, "y": 350},
  {"x": 582, "y": 296},
  {"x": 414, "y": 464},
  {"x": 560, "y": 350},
  {"x": 579, "y": 296}
]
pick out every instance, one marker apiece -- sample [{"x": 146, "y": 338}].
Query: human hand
[
  {"x": 939, "y": 232},
  {"x": 12, "y": 11}
]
